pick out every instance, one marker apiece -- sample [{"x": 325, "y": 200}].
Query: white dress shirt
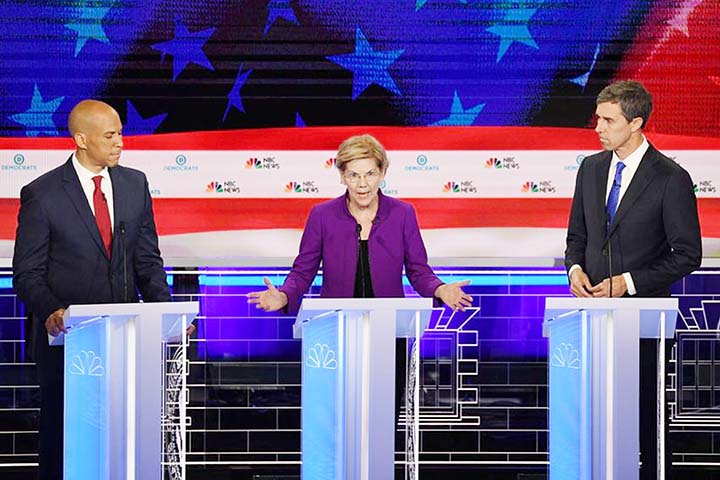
[
  {"x": 632, "y": 162},
  {"x": 88, "y": 186}
]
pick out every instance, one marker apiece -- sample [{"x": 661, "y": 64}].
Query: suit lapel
[
  {"x": 643, "y": 177},
  {"x": 119, "y": 207},
  {"x": 71, "y": 184},
  {"x": 601, "y": 194}
]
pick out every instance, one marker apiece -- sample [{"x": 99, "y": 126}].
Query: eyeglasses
[{"x": 354, "y": 177}]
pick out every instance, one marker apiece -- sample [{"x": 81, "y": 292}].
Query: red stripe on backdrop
[
  {"x": 178, "y": 216},
  {"x": 394, "y": 138}
]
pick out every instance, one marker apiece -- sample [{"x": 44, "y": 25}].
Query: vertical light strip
[
  {"x": 610, "y": 396},
  {"x": 183, "y": 398},
  {"x": 130, "y": 397},
  {"x": 660, "y": 404},
  {"x": 365, "y": 403},
  {"x": 585, "y": 419},
  {"x": 416, "y": 393},
  {"x": 340, "y": 430}
]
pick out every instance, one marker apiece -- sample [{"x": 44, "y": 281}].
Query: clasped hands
[{"x": 580, "y": 286}]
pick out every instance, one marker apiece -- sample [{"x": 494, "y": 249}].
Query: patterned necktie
[
  {"x": 614, "y": 197},
  {"x": 102, "y": 215}
]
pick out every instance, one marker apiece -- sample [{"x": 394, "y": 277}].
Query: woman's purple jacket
[{"x": 331, "y": 237}]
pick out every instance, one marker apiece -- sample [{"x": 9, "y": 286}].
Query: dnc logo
[
  {"x": 422, "y": 165},
  {"x": 19, "y": 164},
  {"x": 181, "y": 165}
]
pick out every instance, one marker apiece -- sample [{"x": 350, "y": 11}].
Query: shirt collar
[
  {"x": 633, "y": 160},
  {"x": 86, "y": 175}
]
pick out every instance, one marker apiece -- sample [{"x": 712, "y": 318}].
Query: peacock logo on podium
[
  {"x": 565, "y": 356},
  {"x": 321, "y": 356},
  {"x": 87, "y": 363}
]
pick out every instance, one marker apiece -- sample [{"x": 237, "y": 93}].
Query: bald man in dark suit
[{"x": 86, "y": 234}]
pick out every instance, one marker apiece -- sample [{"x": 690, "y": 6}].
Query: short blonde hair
[{"x": 358, "y": 147}]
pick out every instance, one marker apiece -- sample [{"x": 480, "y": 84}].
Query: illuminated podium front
[
  {"x": 125, "y": 369},
  {"x": 594, "y": 375},
  {"x": 348, "y": 384}
]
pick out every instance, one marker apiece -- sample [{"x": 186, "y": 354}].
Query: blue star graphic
[
  {"x": 137, "y": 125},
  {"x": 514, "y": 28},
  {"x": 89, "y": 25},
  {"x": 421, "y": 3},
  {"x": 459, "y": 117},
  {"x": 368, "y": 66},
  {"x": 299, "y": 121},
  {"x": 234, "y": 97},
  {"x": 186, "y": 47},
  {"x": 583, "y": 79},
  {"x": 38, "y": 118},
  {"x": 279, "y": 9}
]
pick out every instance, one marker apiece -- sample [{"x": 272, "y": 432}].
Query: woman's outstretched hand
[
  {"x": 269, "y": 300},
  {"x": 453, "y": 296}
]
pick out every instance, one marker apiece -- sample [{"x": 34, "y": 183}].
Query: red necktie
[{"x": 102, "y": 215}]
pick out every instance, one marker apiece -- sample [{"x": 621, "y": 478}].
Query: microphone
[
  {"x": 121, "y": 227},
  {"x": 358, "y": 229}
]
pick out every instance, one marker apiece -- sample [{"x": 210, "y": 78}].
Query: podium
[
  {"x": 348, "y": 384},
  {"x": 125, "y": 369},
  {"x": 593, "y": 363}
]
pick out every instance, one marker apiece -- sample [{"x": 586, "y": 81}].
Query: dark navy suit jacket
[
  {"x": 655, "y": 234},
  {"x": 59, "y": 257}
]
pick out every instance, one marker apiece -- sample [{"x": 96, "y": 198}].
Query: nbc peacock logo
[
  {"x": 493, "y": 163},
  {"x": 214, "y": 187},
  {"x": 253, "y": 163},
  {"x": 451, "y": 187},
  {"x": 530, "y": 187},
  {"x": 293, "y": 187},
  {"x": 330, "y": 162}
]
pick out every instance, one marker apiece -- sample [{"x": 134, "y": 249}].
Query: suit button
[{"x": 604, "y": 252}]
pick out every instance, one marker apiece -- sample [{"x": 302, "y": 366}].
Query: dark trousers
[
  {"x": 50, "y": 376},
  {"x": 648, "y": 409}
]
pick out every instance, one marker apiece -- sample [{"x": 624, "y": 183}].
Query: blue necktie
[{"x": 612, "y": 202}]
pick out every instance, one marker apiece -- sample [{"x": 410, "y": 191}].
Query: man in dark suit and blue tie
[
  {"x": 633, "y": 229},
  {"x": 86, "y": 234}
]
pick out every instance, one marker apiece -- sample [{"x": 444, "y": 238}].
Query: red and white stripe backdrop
[{"x": 479, "y": 192}]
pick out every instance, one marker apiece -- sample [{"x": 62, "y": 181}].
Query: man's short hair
[{"x": 634, "y": 100}]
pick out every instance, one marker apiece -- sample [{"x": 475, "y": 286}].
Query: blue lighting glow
[{"x": 240, "y": 280}]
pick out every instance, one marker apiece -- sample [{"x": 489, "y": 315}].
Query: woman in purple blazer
[{"x": 363, "y": 240}]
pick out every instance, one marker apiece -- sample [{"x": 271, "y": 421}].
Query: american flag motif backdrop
[
  {"x": 215, "y": 75},
  {"x": 186, "y": 65}
]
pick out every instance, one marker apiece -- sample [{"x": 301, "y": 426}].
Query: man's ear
[
  {"x": 80, "y": 140},
  {"x": 636, "y": 124}
]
